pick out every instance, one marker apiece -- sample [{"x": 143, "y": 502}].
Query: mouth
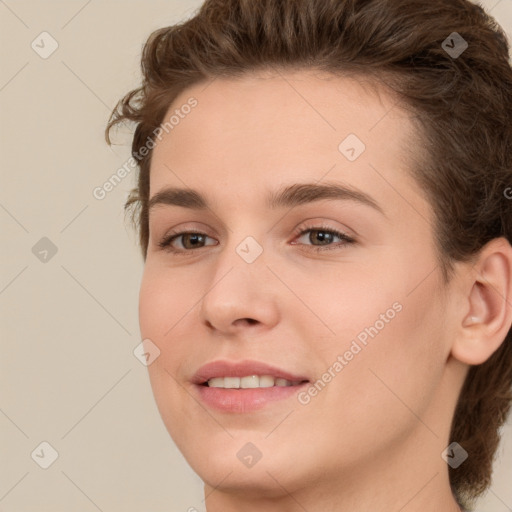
[
  {"x": 250, "y": 382},
  {"x": 240, "y": 387}
]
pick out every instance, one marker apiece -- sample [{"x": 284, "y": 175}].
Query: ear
[{"x": 487, "y": 314}]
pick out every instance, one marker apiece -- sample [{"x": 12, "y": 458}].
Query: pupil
[
  {"x": 194, "y": 238},
  {"x": 323, "y": 236}
]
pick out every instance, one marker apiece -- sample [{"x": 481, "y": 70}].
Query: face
[{"x": 336, "y": 291}]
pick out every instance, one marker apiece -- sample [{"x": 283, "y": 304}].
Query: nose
[{"x": 240, "y": 297}]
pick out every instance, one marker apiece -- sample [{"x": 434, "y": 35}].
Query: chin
[
  {"x": 256, "y": 482},
  {"x": 260, "y": 467}
]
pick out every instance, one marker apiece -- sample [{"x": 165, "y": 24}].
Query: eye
[
  {"x": 325, "y": 236},
  {"x": 190, "y": 240}
]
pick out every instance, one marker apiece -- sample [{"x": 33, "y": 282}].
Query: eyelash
[{"x": 166, "y": 242}]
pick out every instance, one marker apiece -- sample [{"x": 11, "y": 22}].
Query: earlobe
[{"x": 487, "y": 318}]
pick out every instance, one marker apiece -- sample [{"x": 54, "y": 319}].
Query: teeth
[
  {"x": 231, "y": 382},
  {"x": 266, "y": 381},
  {"x": 216, "y": 382},
  {"x": 251, "y": 381}
]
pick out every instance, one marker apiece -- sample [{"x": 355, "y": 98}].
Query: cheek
[
  {"x": 164, "y": 307},
  {"x": 162, "y": 319},
  {"x": 153, "y": 304},
  {"x": 163, "y": 301},
  {"x": 392, "y": 343},
  {"x": 401, "y": 367}
]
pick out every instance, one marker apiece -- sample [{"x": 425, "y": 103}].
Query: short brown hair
[{"x": 462, "y": 104}]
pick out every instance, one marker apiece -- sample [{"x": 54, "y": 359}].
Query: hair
[{"x": 462, "y": 105}]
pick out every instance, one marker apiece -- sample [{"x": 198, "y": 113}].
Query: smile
[
  {"x": 250, "y": 382},
  {"x": 245, "y": 386}
]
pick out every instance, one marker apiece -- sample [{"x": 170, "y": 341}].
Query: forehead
[{"x": 247, "y": 133}]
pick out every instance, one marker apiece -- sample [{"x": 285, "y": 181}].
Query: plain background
[{"x": 69, "y": 324}]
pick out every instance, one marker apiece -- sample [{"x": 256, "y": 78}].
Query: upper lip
[{"x": 242, "y": 369}]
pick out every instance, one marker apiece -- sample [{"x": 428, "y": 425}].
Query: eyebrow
[{"x": 286, "y": 197}]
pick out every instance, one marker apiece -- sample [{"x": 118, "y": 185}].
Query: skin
[{"x": 373, "y": 437}]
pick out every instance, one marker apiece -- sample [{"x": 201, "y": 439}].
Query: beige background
[{"x": 69, "y": 325}]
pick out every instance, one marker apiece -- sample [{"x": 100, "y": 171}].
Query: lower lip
[{"x": 245, "y": 400}]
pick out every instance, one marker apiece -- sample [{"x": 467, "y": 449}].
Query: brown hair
[{"x": 462, "y": 103}]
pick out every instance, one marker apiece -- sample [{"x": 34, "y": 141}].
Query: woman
[{"x": 325, "y": 219}]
